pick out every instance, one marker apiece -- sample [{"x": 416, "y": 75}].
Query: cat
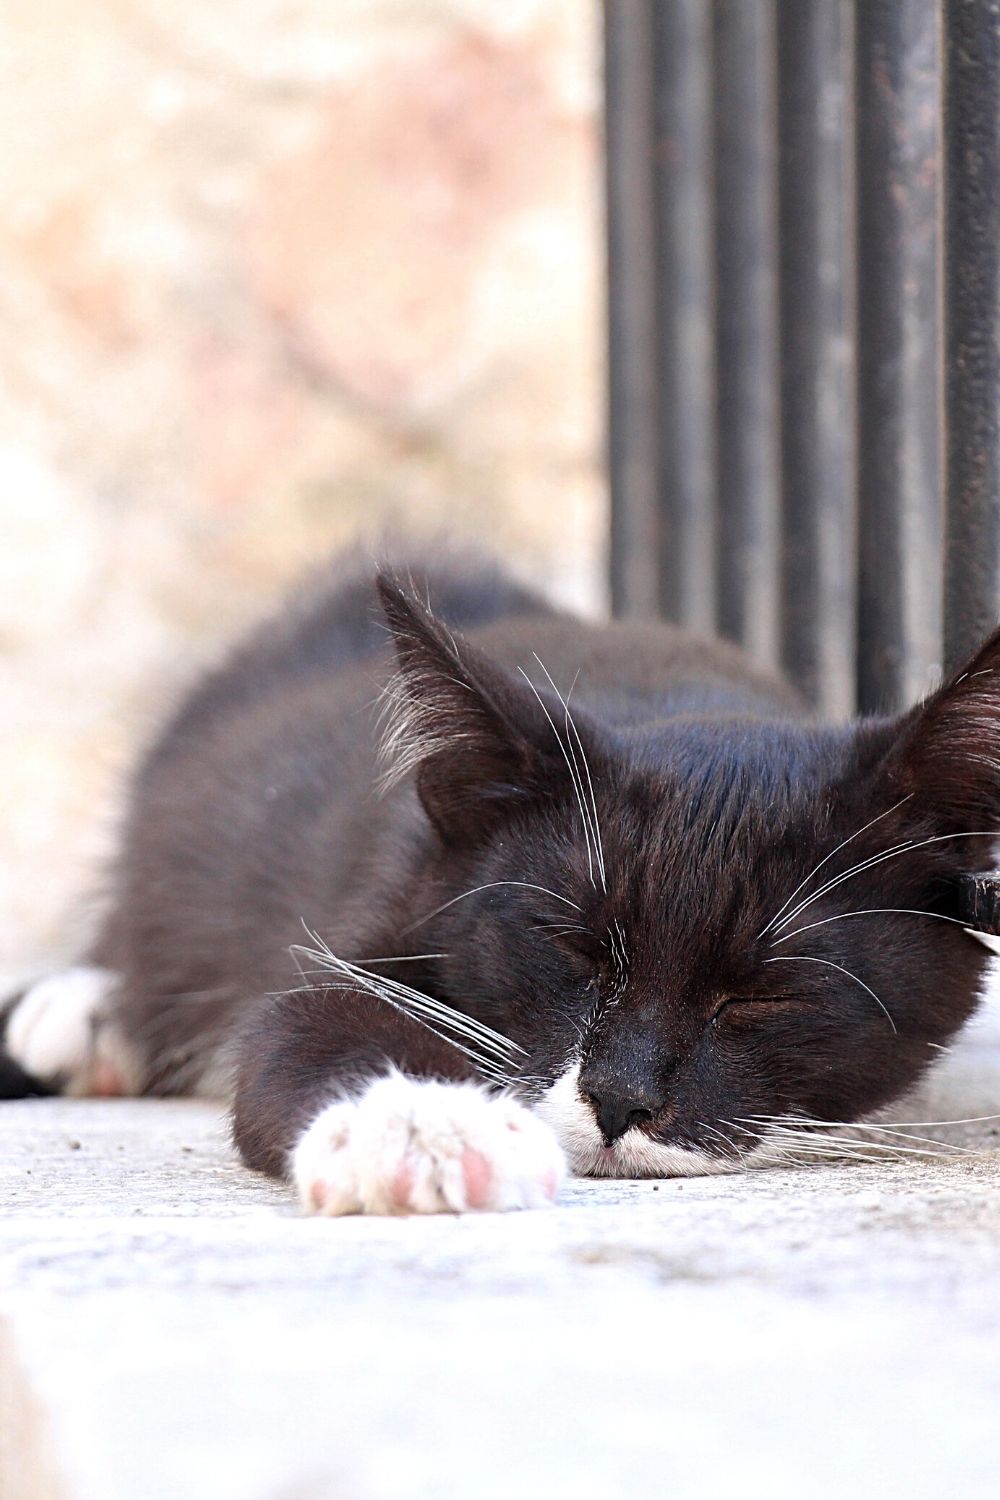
[{"x": 453, "y": 891}]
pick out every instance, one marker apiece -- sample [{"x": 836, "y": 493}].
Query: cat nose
[{"x": 617, "y": 1110}]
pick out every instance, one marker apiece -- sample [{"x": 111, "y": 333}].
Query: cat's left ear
[
  {"x": 947, "y": 750},
  {"x": 476, "y": 738}
]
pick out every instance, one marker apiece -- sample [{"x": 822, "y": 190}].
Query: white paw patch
[
  {"x": 418, "y": 1147},
  {"x": 58, "y": 1033}
]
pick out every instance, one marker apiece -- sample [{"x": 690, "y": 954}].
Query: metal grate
[{"x": 804, "y": 317}]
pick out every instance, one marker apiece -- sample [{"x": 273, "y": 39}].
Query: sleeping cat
[{"x": 450, "y": 905}]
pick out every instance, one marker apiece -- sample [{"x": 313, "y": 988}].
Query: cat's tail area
[
  {"x": 57, "y": 1037},
  {"x": 15, "y": 1083}
]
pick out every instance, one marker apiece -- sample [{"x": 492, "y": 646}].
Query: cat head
[{"x": 698, "y": 932}]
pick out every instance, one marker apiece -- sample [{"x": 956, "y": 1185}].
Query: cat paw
[
  {"x": 59, "y": 1033},
  {"x": 411, "y": 1146}
]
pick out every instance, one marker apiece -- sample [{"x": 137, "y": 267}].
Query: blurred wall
[{"x": 272, "y": 273}]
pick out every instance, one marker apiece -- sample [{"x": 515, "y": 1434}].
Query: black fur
[{"x": 260, "y": 810}]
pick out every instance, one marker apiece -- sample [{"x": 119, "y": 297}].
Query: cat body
[{"x": 445, "y": 903}]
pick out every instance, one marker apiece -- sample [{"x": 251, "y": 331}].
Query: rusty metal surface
[
  {"x": 747, "y": 437},
  {"x": 817, "y": 405},
  {"x": 972, "y": 321},
  {"x": 899, "y": 502}
]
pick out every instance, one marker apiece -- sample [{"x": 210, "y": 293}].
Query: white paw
[
  {"x": 59, "y": 1033},
  {"x": 419, "y": 1147}
]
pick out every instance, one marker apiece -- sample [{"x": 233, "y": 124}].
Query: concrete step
[{"x": 172, "y": 1329}]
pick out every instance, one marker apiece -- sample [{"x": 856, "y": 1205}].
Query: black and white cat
[{"x": 447, "y": 911}]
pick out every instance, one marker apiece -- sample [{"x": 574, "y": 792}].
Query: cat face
[{"x": 697, "y": 932}]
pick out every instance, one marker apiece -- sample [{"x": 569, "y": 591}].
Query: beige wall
[{"x": 271, "y": 272}]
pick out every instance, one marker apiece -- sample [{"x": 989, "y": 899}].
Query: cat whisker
[
  {"x": 488, "y": 1066},
  {"x": 402, "y": 958},
  {"x": 562, "y": 922},
  {"x": 872, "y": 911},
  {"x": 574, "y": 776},
  {"x": 801, "y": 958},
  {"x": 826, "y": 859},
  {"x": 732, "y": 1147},
  {"x": 571, "y": 728},
  {"x": 779, "y": 1147},
  {"x": 490, "y": 885},
  {"x": 909, "y": 846},
  {"x": 897, "y": 1124},
  {"x": 870, "y": 1128},
  {"x": 865, "y": 864},
  {"x": 815, "y": 1138},
  {"x": 420, "y": 1006}
]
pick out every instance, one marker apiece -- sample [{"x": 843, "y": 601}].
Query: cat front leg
[{"x": 365, "y": 1111}]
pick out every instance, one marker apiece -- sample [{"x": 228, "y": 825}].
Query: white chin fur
[{"x": 564, "y": 1108}]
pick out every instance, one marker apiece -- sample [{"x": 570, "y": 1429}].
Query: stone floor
[{"x": 171, "y": 1328}]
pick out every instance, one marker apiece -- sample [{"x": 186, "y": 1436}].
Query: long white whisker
[
  {"x": 485, "y": 1065},
  {"x": 490, "y": 885},
  {"x": 891, "y": 1130},
  {"x": 789, "y": 1141},
  {"x": 910, "y": 846},
  {"x": 733, "y": 1148},
  {"x": 872, "y": 911},
  {"x": 826, "y": 858},
  {"x": 464, "y": 1025},
  {"x": 864, "y": 864},
  {"x": 571, "y": 727},
  {"x": 399, "y": 958},
  {"x": 413, "y": 1000},
  {"x": 828, "y": 963},
  {"x": 573, "y": 774},
  {"x": 825, "y": 1145},
  {"x": 919, "y": 1124}
]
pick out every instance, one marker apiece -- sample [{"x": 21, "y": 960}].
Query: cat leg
[
  {"x": 61, "y": 1034},
  {"x": 365, "y": 1111}
]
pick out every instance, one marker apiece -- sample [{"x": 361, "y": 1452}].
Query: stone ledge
[{"x": 173, "y": 1328}]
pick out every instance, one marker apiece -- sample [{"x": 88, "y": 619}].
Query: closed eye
[
  {"x": 572, "y": 937},
  {"x": 746, "y": 1009}
]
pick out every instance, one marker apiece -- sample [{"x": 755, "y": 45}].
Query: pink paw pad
[
  {"x": 477, "y": 1174},
  {"x": 401, "y": 1186}
]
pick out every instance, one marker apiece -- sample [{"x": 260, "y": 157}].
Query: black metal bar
[
  {"x": 686, "y": 377},
  {"x": 746, "y": 358},
  {"x": 899, "y": 507},
  {"x": 632, "y": 303},
  {"x": 972, "y": 321},
  {"x": 818, "y": 553}
]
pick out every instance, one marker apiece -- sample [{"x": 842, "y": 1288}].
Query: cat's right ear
[
  {"x": 947, "y": 750},
  {"x": 476, "y": 739}
]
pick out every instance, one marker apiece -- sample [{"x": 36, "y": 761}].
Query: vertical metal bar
[
  {"x": 972, "y": 321},
  {"x": 747, "y": 452},
  {"x": 899, "y": 508},
  {"x": 632, "y": 303},
  {"x": 682, "y": 37},
  {"x": 818, "y": 552}
]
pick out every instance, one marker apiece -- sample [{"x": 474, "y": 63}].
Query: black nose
[{"x": 618, "y": 1110}]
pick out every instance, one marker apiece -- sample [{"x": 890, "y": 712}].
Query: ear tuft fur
[
  {"x": 949, "y": 748},
  {"x": 454, "y": 719}
]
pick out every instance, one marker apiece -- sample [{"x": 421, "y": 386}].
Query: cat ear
[
  {"x": 477, "y": 739},
  {"x": 947, "y": 749}
]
